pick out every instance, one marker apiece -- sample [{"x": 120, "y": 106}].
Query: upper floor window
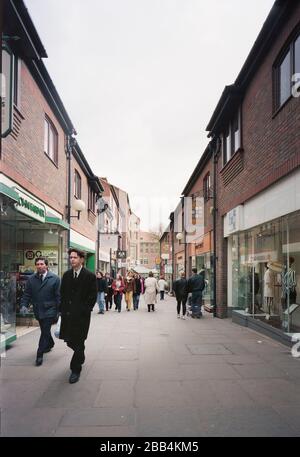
[
  {"x": 232, "y": 137},
  {"x": 284, "y": 69},
  {"x": 50, "y": 141},
  {"x": 92, "y": 200},
  {"x": 206, "y": 187},
  {"x": 77, "y": 185},
  {"x": 17, "y": 80}
]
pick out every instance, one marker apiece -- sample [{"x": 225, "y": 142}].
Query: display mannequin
[
  {"x": 289, "y": 284},
  {"x": 268, "y": 291}
]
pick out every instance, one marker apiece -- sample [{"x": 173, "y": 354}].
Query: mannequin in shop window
[
  {"x": 289, "y": 284},
  {"x": 268, "y": 291}
]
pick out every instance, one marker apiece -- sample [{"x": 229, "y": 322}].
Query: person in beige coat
[{"x": 151, "y": 289}]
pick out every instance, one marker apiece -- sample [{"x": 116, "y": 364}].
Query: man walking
[
  {"x": 162, "y": 284},
  {"x": 78, "y": 297},
  {"x": 101, "y": 291},
  {"x": 181, "y": 294},
  {"x": 196, "y": 285},
  {"x": 42, "y": 290},
  {"x": 109, "y": 293}
]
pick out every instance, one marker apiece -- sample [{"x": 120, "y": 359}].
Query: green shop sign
[{"x": 29, "y": 206}]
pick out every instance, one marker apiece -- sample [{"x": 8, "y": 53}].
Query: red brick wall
[{"x": 23, "y": 157}]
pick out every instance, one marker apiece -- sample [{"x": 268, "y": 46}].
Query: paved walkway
[{"x": 151, "y": 374}]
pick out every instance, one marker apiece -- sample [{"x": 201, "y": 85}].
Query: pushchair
[{"x": 195, "y": 313}]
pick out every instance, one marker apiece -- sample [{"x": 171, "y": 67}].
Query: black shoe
[
  {"x": 48, "y": 349},
  {"x": 39, "y": 361},
  {"x": 74, "y": 377}
]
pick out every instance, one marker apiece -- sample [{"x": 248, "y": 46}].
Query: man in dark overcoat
[
  {"x": 196, "y": 285},
  {"x": 78, "y": 297},
  {"x": 181, "y": 294},
  {"x": 42, "y": 291}
]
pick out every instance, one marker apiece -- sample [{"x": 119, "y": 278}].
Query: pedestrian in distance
[
  {"x": 181, "y": 293},
  {"x": 196, "y": 285},
  {"x": 162, "y": 284},
  {"x": 151, "y": 289},
  {"x": 118, "y": 289},
  {"x": 109, "y": 293},
  {"x": 139, "y": 289},
  {"x": 101, "y": 291},
  {"x": 42, "y": 290},
  {"x": 78, "y": 297},
  {"x": 129, "y": 288}
]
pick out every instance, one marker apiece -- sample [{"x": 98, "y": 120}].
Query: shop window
[
  {"x": 265, "y": 272},
  {"x": 232, "y": 137},
  {"x": 77, "y": 185},
  {"x": 50, "y": 141},
  {"x": 286, "y": 66},
  {"x": 206, "y": 187},
  {"x": 17, "y": 81}
]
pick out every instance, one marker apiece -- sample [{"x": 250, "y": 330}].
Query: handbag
[{"x": 57, "y": 329}]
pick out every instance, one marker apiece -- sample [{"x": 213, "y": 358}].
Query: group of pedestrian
[
  {"x": 109, "y": 289},
  {"x": 195, "y": 285},
  {"x": 73, "y": 299}
]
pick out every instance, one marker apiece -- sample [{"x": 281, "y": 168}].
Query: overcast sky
[{"x": 140, "y": 80}]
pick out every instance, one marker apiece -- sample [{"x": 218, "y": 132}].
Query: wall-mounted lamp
[
  {"x": 179, "y": 236},
  {"x": 78, "y": 206}
]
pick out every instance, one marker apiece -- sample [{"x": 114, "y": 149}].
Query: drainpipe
[
  {"x": 215, "y": 146},
  {"x": 71, "y": 141}
]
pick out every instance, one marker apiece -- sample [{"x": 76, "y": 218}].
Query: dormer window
[{"x": 232, "y": 138}]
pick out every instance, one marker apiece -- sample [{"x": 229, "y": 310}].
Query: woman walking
[
  {"x": 129, "y": 290},
  {"x": 118, "y": 289},
  {"x": 151, "y": 289}
]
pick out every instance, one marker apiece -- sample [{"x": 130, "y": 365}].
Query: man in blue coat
[{"x": 43, "y": 292}]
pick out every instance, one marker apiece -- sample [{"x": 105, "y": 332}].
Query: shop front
[
  {"x": 29, "y": 229},
  {"x": 203, "y": 263},
  {"x": 8, "y": 265},
  {"x": 264, "y": 261}
]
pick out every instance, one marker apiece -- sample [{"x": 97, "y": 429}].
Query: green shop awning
[
  {"x": 57, "y": 221},
  {"x": 5, "y": 190},
  {"x": 81, "y": 248}
]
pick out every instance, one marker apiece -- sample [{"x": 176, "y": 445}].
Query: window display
[{"x": 265, "y": 272}]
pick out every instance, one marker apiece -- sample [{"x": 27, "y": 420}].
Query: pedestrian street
[{"x": 152, "y": 374}]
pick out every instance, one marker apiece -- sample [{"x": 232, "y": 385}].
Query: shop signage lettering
[{"x": 29, "y": 206}]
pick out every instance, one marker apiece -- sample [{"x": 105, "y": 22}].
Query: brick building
[
  {"x": 43, "y": 172},
  {"x": 149, "y": 250},
  {"x": 251, "y": 169},
  {"x": 258, "y": 199}
]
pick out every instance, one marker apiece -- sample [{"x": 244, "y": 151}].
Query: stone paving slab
[{"x": 151, "y": 374}]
